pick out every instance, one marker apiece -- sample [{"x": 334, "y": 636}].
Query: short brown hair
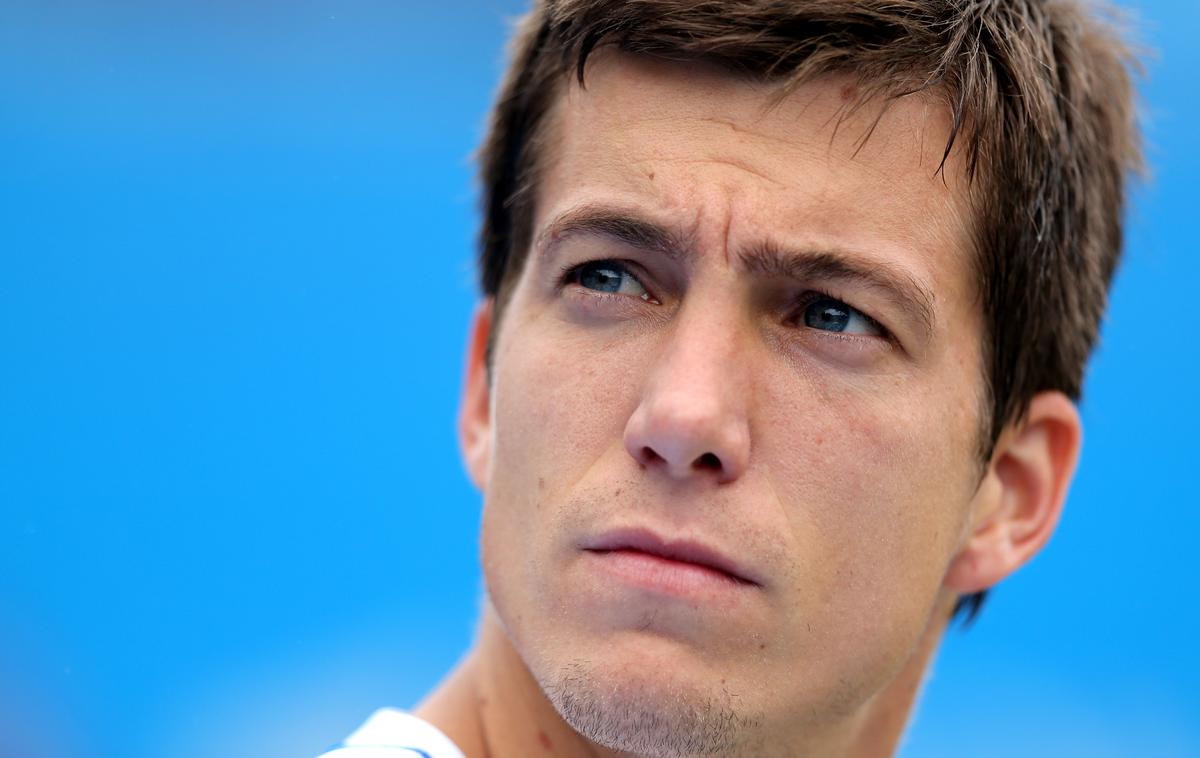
[{"x": 1041, "y": 99}]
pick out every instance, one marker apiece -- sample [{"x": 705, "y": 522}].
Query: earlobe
[
  {"x": 1018, "y": 504},
  {"x": 474, "y": 413}
]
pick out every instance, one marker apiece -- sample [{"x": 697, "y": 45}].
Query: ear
[
  {"x": 1018, "y": 504},
  {"x": 474, "y": 412}
]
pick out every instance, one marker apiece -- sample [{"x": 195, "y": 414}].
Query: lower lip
[{"x": 663, "y": 575}]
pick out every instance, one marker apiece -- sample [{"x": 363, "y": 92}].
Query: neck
[{"x": 491, "y": 706}]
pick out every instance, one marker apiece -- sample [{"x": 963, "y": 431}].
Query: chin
[{"x": 650, "y": 708}]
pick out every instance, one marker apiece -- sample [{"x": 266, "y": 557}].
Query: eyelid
[
  {"x": 811, "y": 295},
  {"x": 567, "y": 274}
]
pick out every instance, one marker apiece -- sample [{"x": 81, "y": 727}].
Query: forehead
[{"x": 731, "y": 162}]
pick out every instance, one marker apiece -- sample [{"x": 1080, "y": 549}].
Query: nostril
[
  {"x": 649, "y": 456},
  {"x": 708, "y": 461}
]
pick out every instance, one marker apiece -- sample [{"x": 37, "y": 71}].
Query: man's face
[{"x": 735, "y": 400}]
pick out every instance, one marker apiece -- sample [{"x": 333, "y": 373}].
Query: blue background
[{"x": 236, "y": 243}]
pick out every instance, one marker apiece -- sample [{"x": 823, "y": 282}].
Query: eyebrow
[
  {"x": 893, "y": 283},
  {"x": 619, "y": 225},
  {"x": 764, "y": 258}
]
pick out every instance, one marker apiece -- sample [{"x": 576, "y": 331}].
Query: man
[{"x": 787, "y": 305}]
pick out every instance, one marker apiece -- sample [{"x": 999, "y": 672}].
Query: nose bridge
[
  {"x": 692, "y": 417},
  {"x": 704, "y": 345}
]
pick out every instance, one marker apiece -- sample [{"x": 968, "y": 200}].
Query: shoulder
[{"x": 392, "y": 733}]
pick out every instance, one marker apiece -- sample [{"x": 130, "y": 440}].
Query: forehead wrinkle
[{"x": 768, "y": 259}]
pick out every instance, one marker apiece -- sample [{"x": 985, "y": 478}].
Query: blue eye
[
  {"x": 609, "y": 276},
  {"x": 831, "y": 315}
]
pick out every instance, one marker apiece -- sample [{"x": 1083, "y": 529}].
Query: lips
[{"x": 688, "y": 552}]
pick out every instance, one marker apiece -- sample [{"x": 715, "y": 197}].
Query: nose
[{"x": 691, "y": 421}]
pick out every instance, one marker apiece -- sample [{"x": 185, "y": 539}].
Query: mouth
[{"x": 669, "y": 561}]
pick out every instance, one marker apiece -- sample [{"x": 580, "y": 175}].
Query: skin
[{"x": 838, "y": 469}]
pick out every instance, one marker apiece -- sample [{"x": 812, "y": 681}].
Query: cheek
[
  {"x": 559, "y": 405},
  {"x": 558, "y": 408},
  {"x": 874, "y": 487}
]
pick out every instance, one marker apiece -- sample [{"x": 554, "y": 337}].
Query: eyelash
[
  {"x": 812, "y": 295},
  {"x": 569, "y": 273}
]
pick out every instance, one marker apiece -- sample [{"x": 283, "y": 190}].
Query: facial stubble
[{"x": 663, "y": 719}]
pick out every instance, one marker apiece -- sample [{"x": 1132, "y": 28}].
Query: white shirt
[{"x": 391, "y": 733}]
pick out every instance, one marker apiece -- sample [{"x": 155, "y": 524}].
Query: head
[{"x": 804, "y": 294}]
